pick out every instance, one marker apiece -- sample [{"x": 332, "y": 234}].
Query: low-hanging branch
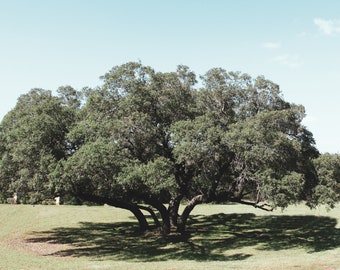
[{"x": 264, "y": 206}]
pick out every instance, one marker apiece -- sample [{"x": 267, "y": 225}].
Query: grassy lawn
[{"x": 221, "y": 237}]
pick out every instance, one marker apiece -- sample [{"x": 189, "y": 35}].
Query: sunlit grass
[{"x": 220, "y": 237}]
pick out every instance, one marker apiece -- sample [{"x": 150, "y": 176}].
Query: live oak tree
[{"x": 150, "y": 141}]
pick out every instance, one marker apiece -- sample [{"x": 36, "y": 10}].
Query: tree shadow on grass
[
  {"x": 312, "y": 233},
  {"x": 209, "y": 238}
]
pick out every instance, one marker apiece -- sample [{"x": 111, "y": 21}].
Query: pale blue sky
[{"x": 295, "y": 43}]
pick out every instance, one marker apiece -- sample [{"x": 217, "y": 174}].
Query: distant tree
[
  {"x": 328, "y": 170},
  {"x": 33, "y": 141}
]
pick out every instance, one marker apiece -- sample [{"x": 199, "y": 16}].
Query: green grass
[{"x": 220, "y": 237}]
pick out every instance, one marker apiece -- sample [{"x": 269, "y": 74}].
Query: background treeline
[{"x": 147, "y": 140}]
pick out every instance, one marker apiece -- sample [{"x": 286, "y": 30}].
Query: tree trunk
[
  {"x": 173, "y": 210},
  {"x": 134, "y": 209},
  {"x": 187, "y": 210}
]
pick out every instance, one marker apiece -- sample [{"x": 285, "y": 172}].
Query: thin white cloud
[
  {"x": 328, "y": 27},
  {"x": 289, "y": 60},
  {"x": 271, "y": 45}
]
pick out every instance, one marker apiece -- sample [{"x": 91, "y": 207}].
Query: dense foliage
[{"x": 146, "y": 140}]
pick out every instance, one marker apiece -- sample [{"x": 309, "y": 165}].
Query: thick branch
[
  {"x": 134, "y": 209},
  {"x": 187, "y": 210},
  {"x": 152, "y": 213},
  {"x": 154, "y": 202}
]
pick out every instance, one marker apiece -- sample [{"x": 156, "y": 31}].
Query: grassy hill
[{"x": 221, "y": 237}]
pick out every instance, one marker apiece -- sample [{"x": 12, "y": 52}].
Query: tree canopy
[{"x": 148, "y": 140}]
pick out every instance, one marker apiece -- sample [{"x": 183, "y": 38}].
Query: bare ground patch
[{"x": 47, "y": 248}]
